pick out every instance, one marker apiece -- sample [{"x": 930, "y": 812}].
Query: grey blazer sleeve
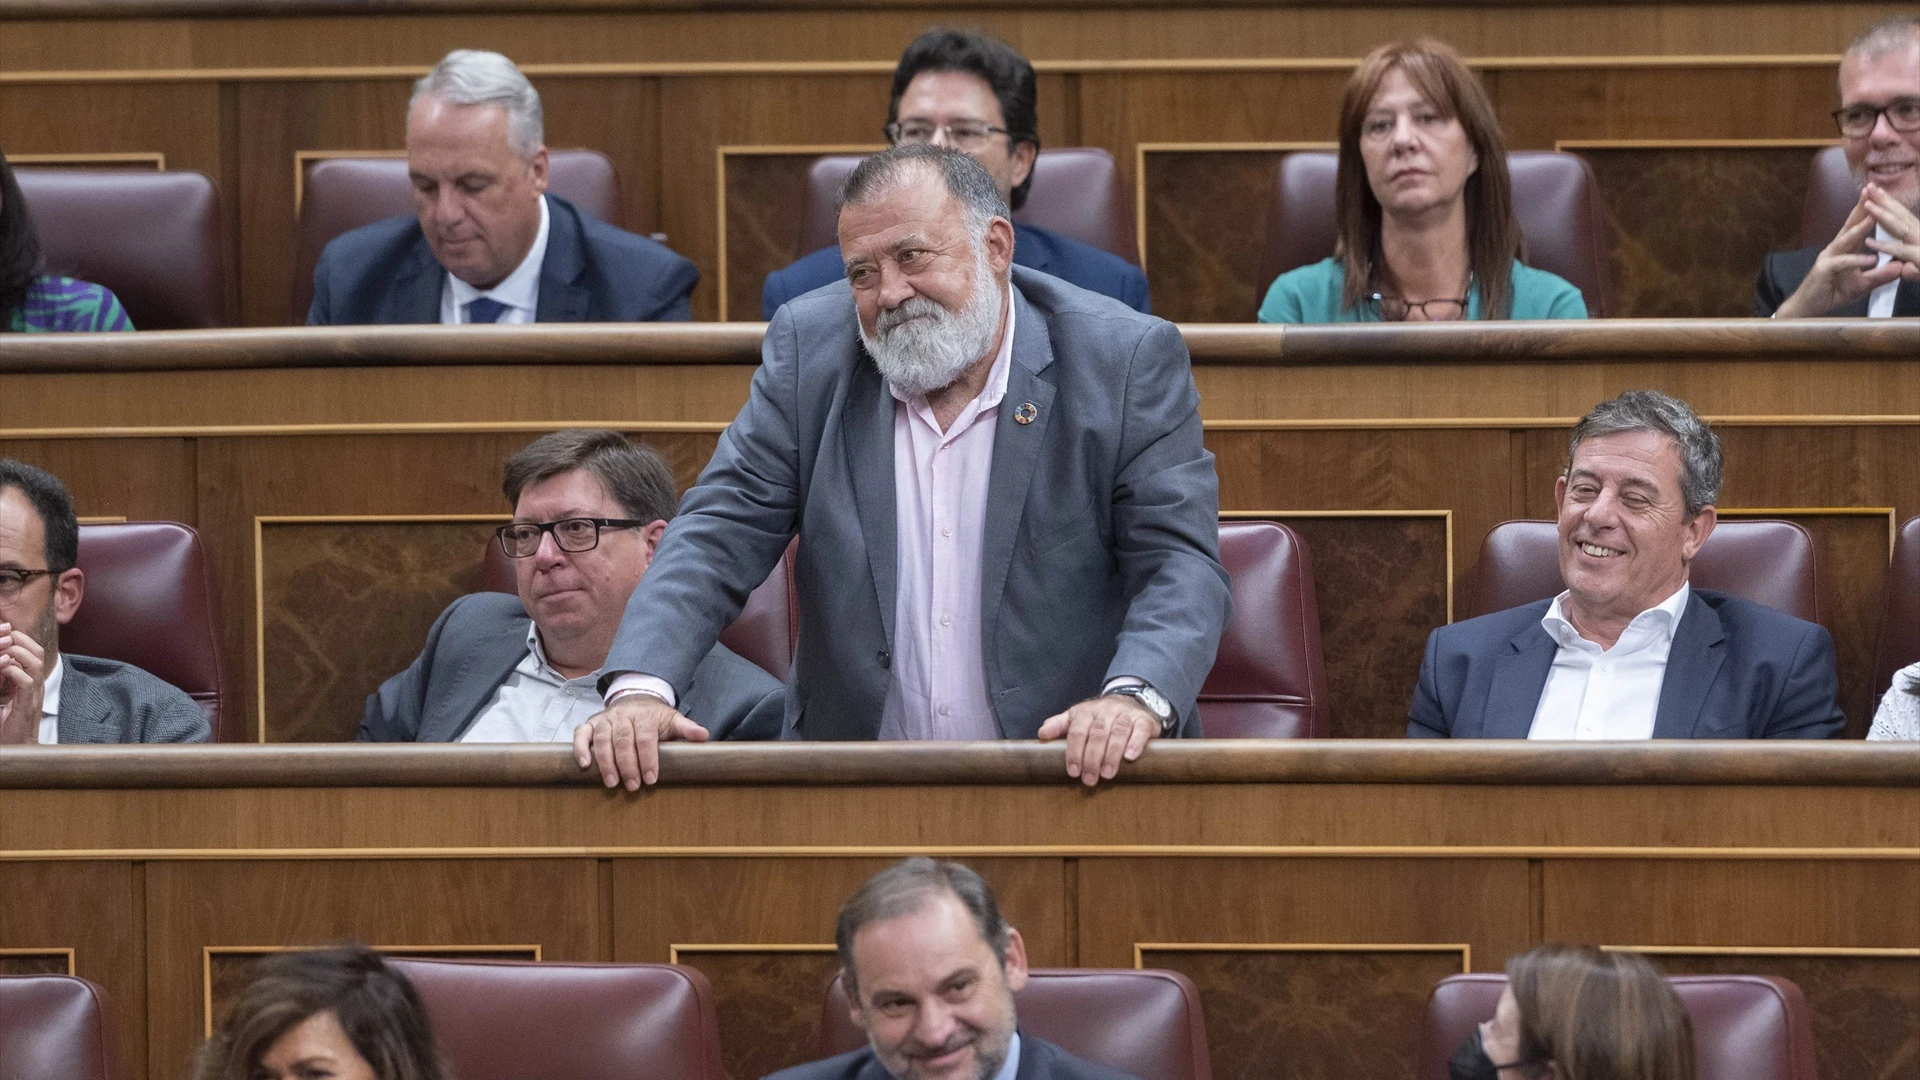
[
  {"x": 1427, "y": 719},
  {"x": 393, "y": 712},
  {"x": 317, "y": 311},
  {"x": 1808, "y": 708},
  {"x": 1166, "y": 527},
  {"x": 732, "y": 527},
  {"x": 734, "y": 698},
  {"x": 174, "y": 719}
]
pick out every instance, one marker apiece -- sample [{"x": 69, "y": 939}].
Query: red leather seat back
[
  {"x": 1269, "y": 679},
  {"x": 766, "y": 631},
  {"x": 149, "y": 603},
  {"x": 1145, "y": 1023},
  {"x": 1076, "y": 192},
  {"x": 1745, "y": 1027},
  {"x": 1900, "y": 625},
  {"x": 1555, "y": 198},
  {"x": 502, "y": 1020},
  {"x": 341, "y": 194},
  {"x": 1831, "y": 193},
  {"x": 51, "y": 1028},
  {"x": 154, "y": 238},
  {"x": 1767, "y": 562}
]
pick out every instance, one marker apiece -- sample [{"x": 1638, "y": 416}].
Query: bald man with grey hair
[
  {"x": 1871, "y": 268},
  {"x": 488, "y": 243}
]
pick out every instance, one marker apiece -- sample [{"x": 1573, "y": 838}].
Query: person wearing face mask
[
  {"x": 488, "y": 244},
  {"x": 1574, "y": 1012},
  {"x": 1631, "y": 650},
  {"x": 1008, "y": 520},
  {"x": 1871, "y": 268},
  {"x": 1423, "y": 205},
  {"x": 340, "y": 1013}
]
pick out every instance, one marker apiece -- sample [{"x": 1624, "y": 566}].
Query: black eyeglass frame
[
  {"x": 1879, "y": 111},
  {"x": 553, "y": 528},
  {"x": 26, "y": 578},
  {"x": 892, "y": 132}
]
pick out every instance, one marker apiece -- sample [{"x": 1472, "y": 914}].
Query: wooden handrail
[
  {"x": 1618, "y": 340},
  {"x": 1476, "y": 762}
]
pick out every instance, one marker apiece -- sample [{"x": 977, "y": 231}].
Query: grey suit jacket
[
  {"x": 478, "y": 641},
  {"x": 1100, "y": 555},
  {"x": 1736, "y": 670},
  {"x": 1039, "y": 1060},
  {"x": 106, "y": 701}
]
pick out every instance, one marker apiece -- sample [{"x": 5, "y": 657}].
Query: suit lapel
[
  {"x": 1519, "y": 678},
  {"x": 1906, "y": 299},
  {"x": 1016, "y": 454},
  {"x": 561, "y": 300},
  {"x": 488, "y": 664},
  {"x": 85, "y": 716},
  {"x": 867, "y": 432},
  {"x": 1692, "y": 663},
  {"x": 415, "y": 296}
]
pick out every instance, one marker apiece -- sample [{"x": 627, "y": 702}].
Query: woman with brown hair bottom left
[{"x": 327, "y": 1014}]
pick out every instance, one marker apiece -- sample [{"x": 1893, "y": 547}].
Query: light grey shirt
[
  {"x": 536, "y": 704},
  {"x": 50, "y": 703}
]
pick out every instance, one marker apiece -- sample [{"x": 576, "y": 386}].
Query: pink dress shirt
[{"x": 939, "y": 688}]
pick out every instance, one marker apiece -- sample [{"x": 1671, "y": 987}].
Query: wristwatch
[{"x": 1155, "y": 702}]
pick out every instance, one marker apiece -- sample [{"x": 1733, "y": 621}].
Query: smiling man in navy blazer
[
  {"x": 1631, "y": 650},
  {"x": 489, "y": 245}
]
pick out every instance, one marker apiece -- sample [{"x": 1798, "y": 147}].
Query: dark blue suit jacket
[
  {"x": 1737, "y": 670},
  {"x": 1038, "y": 1061},
  {"x": 385, "y": 273},
  {"x": 1036, "y": 249}
]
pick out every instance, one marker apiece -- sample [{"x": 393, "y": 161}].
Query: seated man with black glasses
[
  {"x": 1872, "y": 267},
  {"x": 589, "y": 507}
]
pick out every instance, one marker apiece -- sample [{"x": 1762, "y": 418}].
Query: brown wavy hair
[
  {"x": 1493, "y": 235},
  {"x": 1598, "y": 1015},
  {"x": 376, "y": 1005}
]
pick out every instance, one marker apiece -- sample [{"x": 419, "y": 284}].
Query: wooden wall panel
[
  {"x": 620, "y": 117},
  {"x": 192, "y": 906},
  {"x": 280, "y": 119},
  {"x": 138, "y": 479},
  {"x": 1269, "y": 1012},
  {"x": 229, "y": 970},
  {"x": 1382, "y": 584},
  {"x": 708, "y": 113},
  {"x": 1690, "y": 227},
  {"x": 47, "y": 915},
  {"x": 1541, "y": 105},
  {"x": 1205, "y": 221},
  {"x": 321, "y": 581},
  {"x": 670, "y": 907}
]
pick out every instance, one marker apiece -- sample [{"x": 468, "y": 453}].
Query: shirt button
[
  {"x": 948, "y": 531},
  {"x": 944, "y": 710},
  {"x": 946, "y": 620}
]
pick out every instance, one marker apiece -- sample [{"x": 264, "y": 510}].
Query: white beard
[{"x": 920, "y": 346}]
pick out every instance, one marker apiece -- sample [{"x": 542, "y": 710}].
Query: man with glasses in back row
[
  {"x": 1872, "y": 267},
  {"x": 589, "y": 507},
  {"x": 975, "y": 94}
]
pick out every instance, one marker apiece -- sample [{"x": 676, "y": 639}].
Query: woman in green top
[{"x": 1423, "y": 204}]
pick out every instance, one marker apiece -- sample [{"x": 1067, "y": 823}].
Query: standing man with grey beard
[{"x": 1008, "y": 523}]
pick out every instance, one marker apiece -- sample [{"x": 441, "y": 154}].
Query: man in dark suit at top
[
  {"x": 974, "y": 93},
  {"x": 488, "y": 244},
  {"x": 588, "y": 510},
  {"x": 1631, "y": 650},
  {"x": 1872, "y": 267},
  {"x": 930, "y": 966},
  {"x": 1008, "y": 521}
]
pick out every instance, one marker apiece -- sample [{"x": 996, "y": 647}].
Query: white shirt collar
[
  {"x": 50, "y": 702},
  {"x": 997, "y": 376},
  {"x": 1011, "y": 1067},
  {"x": 519, "y": 290},
  {"x": 1655, "y": 625}
]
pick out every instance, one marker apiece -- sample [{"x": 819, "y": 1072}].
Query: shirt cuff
[
  {"x": 632, "y": 682},
  {"x": 1116, "y": 681}
]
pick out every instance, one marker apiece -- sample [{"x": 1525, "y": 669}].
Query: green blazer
[{"x": 1311, "y": 294}]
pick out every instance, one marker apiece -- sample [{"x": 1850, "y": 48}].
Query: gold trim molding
[
  {"x": 676, "y": 953},
  {"x": 207, "y": 953},
  {"x": 67, "y": 952},
  {"x": 1141, "y": 948}
]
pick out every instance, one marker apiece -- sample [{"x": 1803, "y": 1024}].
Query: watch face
[{"x": 1155, "y": 703}]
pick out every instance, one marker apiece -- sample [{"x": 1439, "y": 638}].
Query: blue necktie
[{"x": 484, "y": 310}]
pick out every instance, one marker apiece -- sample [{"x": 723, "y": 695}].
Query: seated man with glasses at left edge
[
  {"x": 589, "y": 507},
  {"x": 47, "y": 696}
]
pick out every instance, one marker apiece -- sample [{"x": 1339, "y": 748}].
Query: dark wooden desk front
[{"x": 1314, "y": 892}]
